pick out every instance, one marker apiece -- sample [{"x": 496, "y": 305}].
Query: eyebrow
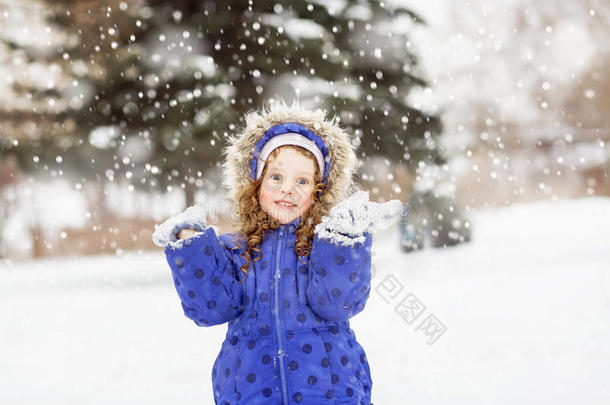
[{"x": 300, "y": 173}]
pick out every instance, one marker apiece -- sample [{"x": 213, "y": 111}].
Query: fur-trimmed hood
[{"x": 238, "y": 154}]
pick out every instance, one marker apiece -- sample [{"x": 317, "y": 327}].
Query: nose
[{"x": 286, "y": 189}]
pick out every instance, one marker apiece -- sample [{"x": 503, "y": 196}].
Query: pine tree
[{"x": 160, "y": 83}]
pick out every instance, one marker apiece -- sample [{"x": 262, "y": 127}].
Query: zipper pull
[{"x": 281, "y": 231}]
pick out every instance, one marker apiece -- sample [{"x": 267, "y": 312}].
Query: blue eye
[
  {"x": 275, "y": 175},
  {"x": 305, "y": 181}
]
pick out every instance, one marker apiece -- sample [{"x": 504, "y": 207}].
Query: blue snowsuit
[{"x": 289, "y": 339}]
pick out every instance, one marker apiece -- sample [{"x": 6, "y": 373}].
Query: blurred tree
[
  {"x": 147, "y": 94},
  {"x": 355, "y": 55},
  {"x": 155, "y": 84},
  {"x": 27, "y": 118}
]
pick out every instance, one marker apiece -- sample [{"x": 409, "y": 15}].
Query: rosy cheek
[
  {"x": 306, "y": 204},
  {"x": 265, "y": 196}
]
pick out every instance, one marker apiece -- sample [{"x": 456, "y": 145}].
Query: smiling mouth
[{"x": 285, "y": 204}]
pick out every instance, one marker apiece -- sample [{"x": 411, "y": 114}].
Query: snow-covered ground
[{"x": 526, "y": 307}]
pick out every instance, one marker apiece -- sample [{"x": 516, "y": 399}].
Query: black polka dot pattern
[{"x": 322, "y": 361}]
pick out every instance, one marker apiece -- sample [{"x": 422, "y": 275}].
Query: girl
[{"x": 296, "y": 271}]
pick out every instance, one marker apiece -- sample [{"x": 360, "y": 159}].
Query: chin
[
  {"x": 284, "y": 219},
  {"x": 289, "y": 220}
]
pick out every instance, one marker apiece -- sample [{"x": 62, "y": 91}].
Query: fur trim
[
  {"x": 238, "y": 154},
  {"x": 336, "y": 237},
  {"x": 179, "y": 243},
  {"x": 345, "y": 226}
]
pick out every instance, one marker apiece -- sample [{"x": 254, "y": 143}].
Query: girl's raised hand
[
  {"x": 192, "y": 219},
  {"x": 356, "y": 215}
]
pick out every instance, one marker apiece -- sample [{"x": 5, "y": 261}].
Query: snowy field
[{"x": 526, "y": 308}]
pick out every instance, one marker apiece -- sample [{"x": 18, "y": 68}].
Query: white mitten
[
  {"x": 351, "y": 218},
  {"x": 191, "y": 218}
]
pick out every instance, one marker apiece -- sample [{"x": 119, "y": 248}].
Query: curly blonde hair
[{"x": 254, "y": 220}]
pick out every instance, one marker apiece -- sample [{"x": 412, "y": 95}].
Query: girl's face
[{"x": 288, "y": 178}]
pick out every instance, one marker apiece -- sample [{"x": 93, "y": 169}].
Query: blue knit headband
[{"x": 283, "y": 129}]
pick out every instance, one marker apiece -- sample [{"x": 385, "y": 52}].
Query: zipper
[{"x": 276, "y": 311}]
